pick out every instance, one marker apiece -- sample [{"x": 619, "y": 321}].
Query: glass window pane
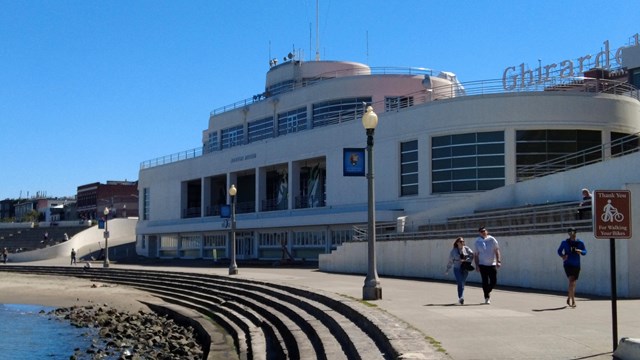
[
  {"x": 491, "y": 148},
  {"x": 491, "y": 160},
  {"x": 441, "y": 164},
  {"x": 464, "y": 185},
  {"x": 409, "y": 190},
  {"x": 464, "y": 162},
  {"x": 410, "y": 156},
  {"x": 441, "y": 175},
  {"x": 463, "y": 150},
  {"x": 493, "y": 136},
  {"x": 409, "y": 145},
  {"x": 441, "y": 153},
  {"x": 440, "y": 141},
  {"x": 409, "y": 168},
  {"x": 463, "y": 139}
]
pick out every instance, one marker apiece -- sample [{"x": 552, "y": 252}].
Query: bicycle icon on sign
[
  {"x": 611, "y": 214},
  {"x": 225, "y": 223}
]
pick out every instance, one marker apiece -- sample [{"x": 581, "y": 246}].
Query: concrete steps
[{"x": 266, "y": 321}]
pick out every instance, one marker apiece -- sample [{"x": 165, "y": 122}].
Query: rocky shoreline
[{"x": 123, "y": 335}]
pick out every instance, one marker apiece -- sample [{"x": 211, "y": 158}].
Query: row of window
[
  {"x": 476, "y": 161},
  {"x": 323, "y": 114},
  {"x": 215, "y": 244}
]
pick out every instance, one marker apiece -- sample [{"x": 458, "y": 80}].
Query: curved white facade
[{"x": 284, "y": 152}]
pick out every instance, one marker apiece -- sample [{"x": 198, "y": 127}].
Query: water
[{"x": 25, "y": 333}]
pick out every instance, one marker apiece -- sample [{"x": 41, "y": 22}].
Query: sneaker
[
  {"x": 461, "y": 301},
  {"x": 487, "y": 301}
]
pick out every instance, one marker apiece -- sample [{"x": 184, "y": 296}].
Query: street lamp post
[
  {"x": 233, "y": 267},
  {"x": 106, "y": 237},
  {"x": 371, "y": 289}
]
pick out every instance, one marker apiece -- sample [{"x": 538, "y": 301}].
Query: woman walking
[{"x": 461, "y": 258}]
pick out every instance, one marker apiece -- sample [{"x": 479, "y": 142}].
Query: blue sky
[{"x": 90, "y": 89}]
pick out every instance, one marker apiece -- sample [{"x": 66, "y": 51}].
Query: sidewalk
[{"x": 517, "y": 325}]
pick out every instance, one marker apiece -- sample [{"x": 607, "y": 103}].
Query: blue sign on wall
[
  {"x": 353, "y": 162},
  {"x": 225, "y": 211}
]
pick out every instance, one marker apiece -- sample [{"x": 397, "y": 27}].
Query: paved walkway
[{"x": 517, "y": 324}]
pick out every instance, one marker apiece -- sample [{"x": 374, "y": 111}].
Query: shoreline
[
  {"x": 125, "y": 324},
  {"x": 61, "y": 291}
]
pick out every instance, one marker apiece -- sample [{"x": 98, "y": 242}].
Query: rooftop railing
[
  {"x": 168, "y": 159},
  {"x": 453, "y": 90}
]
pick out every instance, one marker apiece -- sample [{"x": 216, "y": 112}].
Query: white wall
[
  {"x": 529, "y": 261},
  {"x": 121, "y": 231}
]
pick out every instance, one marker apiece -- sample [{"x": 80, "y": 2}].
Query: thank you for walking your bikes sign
[{"x": 612, "y": 214}]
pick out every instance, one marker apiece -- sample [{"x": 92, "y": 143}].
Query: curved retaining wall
[{"x": 269, "y": 321}]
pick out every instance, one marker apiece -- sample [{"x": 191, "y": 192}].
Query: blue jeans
[{"x": 461, "y": 279}]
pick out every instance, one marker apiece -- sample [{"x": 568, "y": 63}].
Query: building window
[
  {"x": 260, "y": 129},
  {"x": 622, "y": 144},
  {"x": 338, "y": 111},
  {"x": 281, "y": 87},
  {"x": 232, "y": 137},
  {"x": 168, "y": 245},
  {"x": 274, "y": 239},
  {"x": 398, "y": 102},
  {"x": 190, "y": 245},
  {"x": 409, "y": 168},
  {"x": 467, "y": 162},
  {"x": 146, "y": 203},
  {"x": 292, "y": 121},
  {"x": 309, "y": 238},
  {"x": 635, "y": 78},
  {"x": 212, "y": 143},
  {"x": 338, "y": 237},
  {"x": 544, "y": 151},
  {"x": 215, "y": 240}
]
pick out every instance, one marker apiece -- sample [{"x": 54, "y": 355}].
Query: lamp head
[
  {"x": 106, "y": 211},
  {"x": 232, "y": 190},
  {"x": 369, "y": 119}
]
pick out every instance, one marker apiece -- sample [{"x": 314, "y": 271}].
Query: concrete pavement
[{"x": 517, "y": 325}]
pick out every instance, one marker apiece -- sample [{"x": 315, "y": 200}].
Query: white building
[{"x": 438, "y": 144}]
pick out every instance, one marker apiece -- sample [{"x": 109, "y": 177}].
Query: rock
[{"x": 132, "y": 336}]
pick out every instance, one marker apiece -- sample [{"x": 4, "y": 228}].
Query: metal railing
[
  {"x": 619, "y": 147},
  {"x": 532, "y": 219},
  {"x": 168, "y": 159},
  {"x": 453, "y": 90}
]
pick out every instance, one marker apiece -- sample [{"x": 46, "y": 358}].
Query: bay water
[{"x": 26, "y": 333}]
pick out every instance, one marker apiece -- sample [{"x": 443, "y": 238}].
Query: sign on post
[
  {"x": 611, "y": 214},
  {"x": 612, "y": 220}
]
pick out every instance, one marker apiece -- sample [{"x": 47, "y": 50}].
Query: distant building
[
  {"x": 121, "y": 197},
  {"x": 49, "y": 209},
  {"x": 7, "y": 209}
]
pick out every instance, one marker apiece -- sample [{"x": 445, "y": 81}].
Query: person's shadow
[
  {"x": 455, "y": 304},
  {"x": 551, "y": 309}
]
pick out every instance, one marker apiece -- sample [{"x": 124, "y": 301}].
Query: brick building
[{"x": 121, "y": 197}]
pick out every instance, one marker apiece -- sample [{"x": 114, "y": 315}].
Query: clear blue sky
[{"x": 90, "y": 89}]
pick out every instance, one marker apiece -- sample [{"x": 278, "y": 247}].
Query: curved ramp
[{"x": 121, "y": 231}]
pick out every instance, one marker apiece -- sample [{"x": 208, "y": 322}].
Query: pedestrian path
[{"x": 518, "y": 324}]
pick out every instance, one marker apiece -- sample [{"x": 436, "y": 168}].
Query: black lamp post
[
  {"x": 371, "y": 289},
  {"x": 233, "y": 267},
  {"x": 106, "y": 237}
]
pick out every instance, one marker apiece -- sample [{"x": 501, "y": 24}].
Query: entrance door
[{"x": 244, "y": 248}]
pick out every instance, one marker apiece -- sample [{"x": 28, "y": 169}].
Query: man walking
[
  {"x": 73, "y": 256},
  {"x": 570, "y": 250},
  {"x": 487, "y": 260}
]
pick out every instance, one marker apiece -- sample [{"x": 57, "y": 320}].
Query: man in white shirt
[{"x": 487, "y": 261}]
